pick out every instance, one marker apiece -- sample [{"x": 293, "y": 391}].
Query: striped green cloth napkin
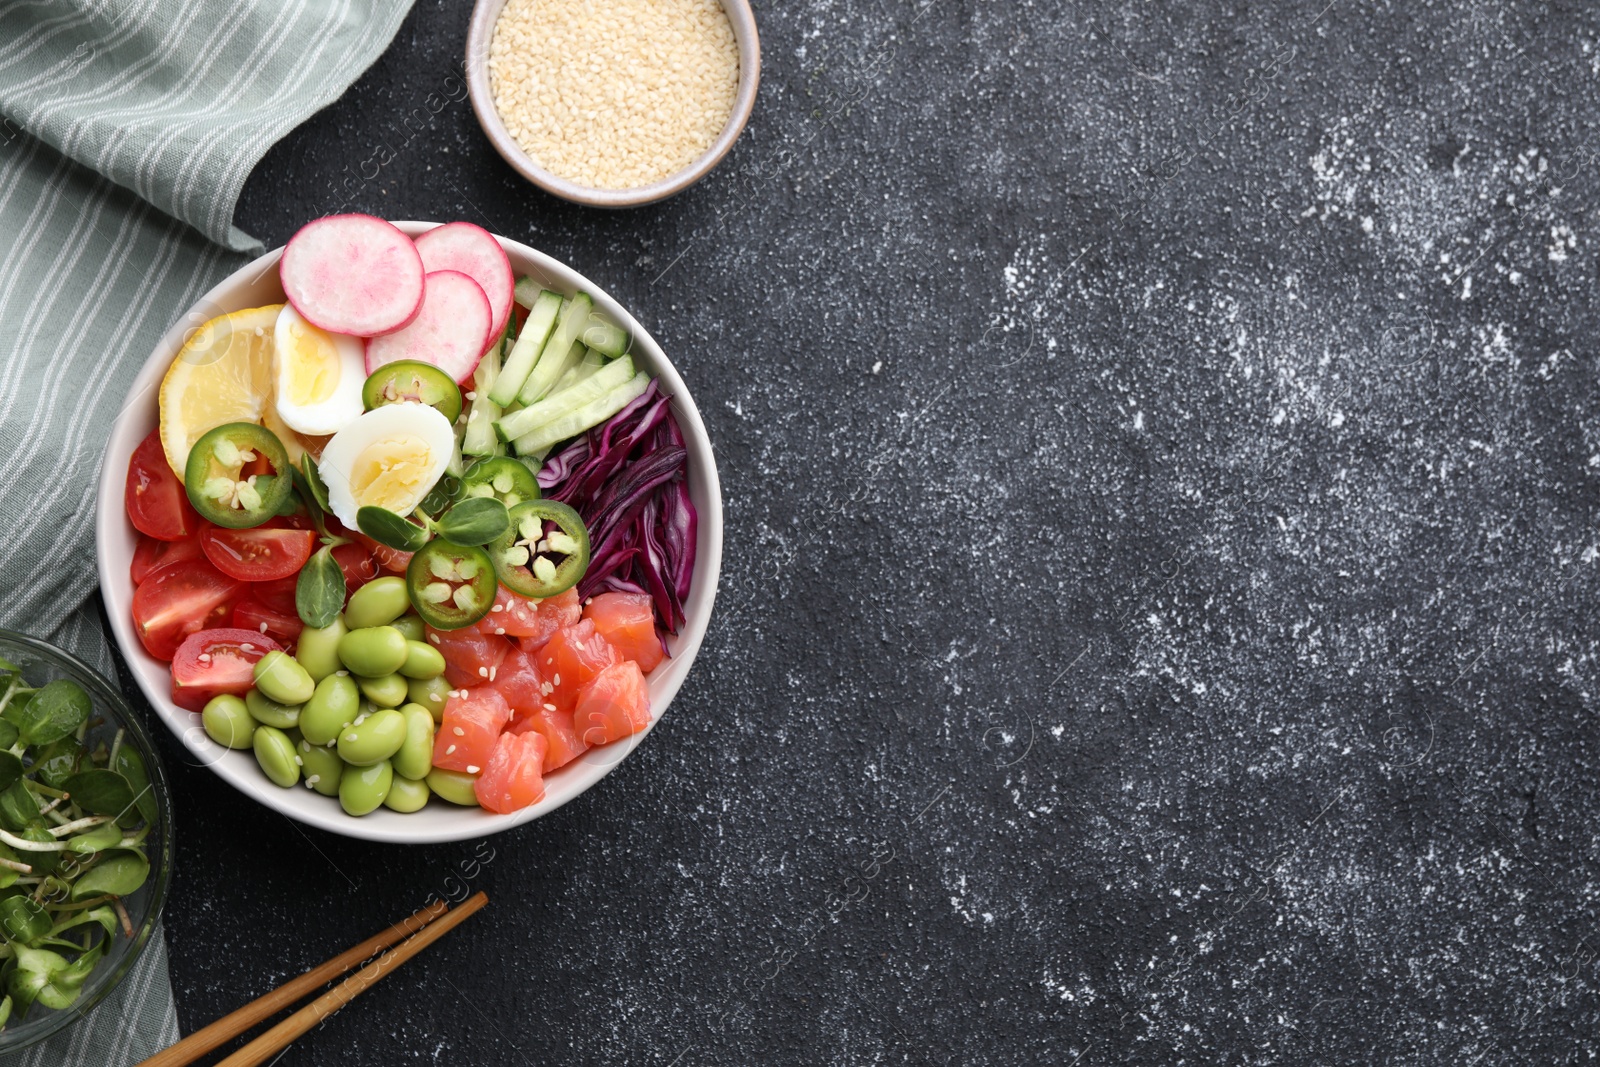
[{"x": 127, "y": 129}]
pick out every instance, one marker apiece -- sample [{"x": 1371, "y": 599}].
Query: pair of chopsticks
[{"x": 398, "y": 943}]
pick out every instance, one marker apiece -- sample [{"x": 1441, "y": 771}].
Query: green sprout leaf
[
  {"x": 130, "y": 765},
  {"x": 475, "y": 521},
  {"x": 57, "y": 762},
  {"x": 98, "y": 839},
  {"x": 118, "y": 873},
  {"x": 308, "y": 479},
  {"x": 55, "y": 711},
  {"x": 23, "y": 919},
  {"x": 319, "y": 593},
  {"x": 10, "y": 769},
  {"x": 387, "y": 528},
  {"x": 102, "y": 791}
]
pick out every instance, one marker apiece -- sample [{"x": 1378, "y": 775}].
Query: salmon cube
[{"x": 612, "y": 706}]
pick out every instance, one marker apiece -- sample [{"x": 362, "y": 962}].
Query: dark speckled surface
[{"x": 1161, "y": 459}]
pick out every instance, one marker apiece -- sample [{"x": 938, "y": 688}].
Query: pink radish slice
[
  {"x": 473, "y": 251},
  {"x": 353, "y": 274},
  {"x": 448, "y": 332}
]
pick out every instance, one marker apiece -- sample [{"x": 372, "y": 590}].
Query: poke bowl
[{"x": 327, "y": 470}]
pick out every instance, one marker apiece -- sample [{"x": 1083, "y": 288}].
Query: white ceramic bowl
[{"x": 257, "y": 284}]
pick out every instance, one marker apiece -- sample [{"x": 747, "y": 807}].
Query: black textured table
[{"x": 1161, "y": 462}]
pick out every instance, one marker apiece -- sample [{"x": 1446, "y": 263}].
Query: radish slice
[
  {"x": 448, "y": 332},
  {"x": 473, "y": 251},
  {"x": 352, "y": 274}
]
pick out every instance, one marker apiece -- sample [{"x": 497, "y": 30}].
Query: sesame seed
[
  {"x": 549, "y": 707},
  {"x": 483, "y": 672},
  {"x": 434, "y": 638},
  {"x": 614, "y": 96},
  {"x": 450, "y": 750},
  {"x": 460, "y": 732},
  {"x": 472, "y": 768}
]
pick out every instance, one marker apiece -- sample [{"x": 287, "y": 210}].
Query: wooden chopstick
[
  {"x": 232, "y": 1025},
  {"x": 280, "y": 1036}
]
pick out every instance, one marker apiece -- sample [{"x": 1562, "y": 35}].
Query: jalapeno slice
[
  {"x": 545, "y": 551},
  {"x": 500, "y": 476},
  {"x": 238, "y": 475},
  {"x": 415, "y": 382},
  {"x": 450, "y": 585}
]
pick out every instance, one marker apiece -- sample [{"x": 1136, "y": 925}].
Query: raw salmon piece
[
  {"x": 470, "y": 657},
  {"x": 513, "y": 779},
  {"x": 628, "y": 622},
  {"x": 571, "y": 659},
  {"x": 518, "y": 680},
  {"x": 473, "y": 720},
  {"x": 564, "y": 743},
  {"x": 615, "y": 704},
  {"x": 554, "y": 614}
]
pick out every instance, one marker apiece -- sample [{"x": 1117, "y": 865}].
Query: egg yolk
[
  {"x": 312, "y": 366},
  {"x": 392, "y": 473}
]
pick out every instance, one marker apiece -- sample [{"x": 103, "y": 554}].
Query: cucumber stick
[
  {"x": 556, "y": 405},
  {"x": 538, "y": 441},
  {"x": 525, "y": 353},
  {"x": 558, "y": 353},
  {"x": 591, "y": 362},
  {"x": 604, "y": 337},
  {"x": 480, "y": 438},
  {"x": 526, "y": 291}
]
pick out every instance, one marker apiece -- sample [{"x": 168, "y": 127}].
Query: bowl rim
[
  {"x": 133, "y": 424},
  {"x": 480, "y": 33},
  {"x": 108, "y": 696}
]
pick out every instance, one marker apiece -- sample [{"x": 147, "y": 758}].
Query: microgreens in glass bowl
[{"x": 85, "y": 837}]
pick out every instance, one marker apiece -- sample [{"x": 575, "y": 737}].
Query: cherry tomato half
[
  {"x": 150, "y": 554},
  {"x": 357, "y": 565},
  {"x": 178, "y": 600},
  {"x": 157, "y": 504},
  {"x": 258, "y": 554},
  {"x": 282, "y": 627},
  {"x": 212, "y": 662},
  {"x": 277, "y": 594}
]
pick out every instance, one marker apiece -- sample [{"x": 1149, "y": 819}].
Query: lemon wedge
[{"x": 223, "y": 373}]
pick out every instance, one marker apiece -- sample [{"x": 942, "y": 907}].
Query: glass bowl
[{"x": 42, "y": 663}]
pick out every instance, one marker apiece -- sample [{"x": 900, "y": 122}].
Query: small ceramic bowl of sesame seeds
[{"x": 617, "y": 104}]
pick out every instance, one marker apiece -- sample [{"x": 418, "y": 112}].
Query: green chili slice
[
  {"x": 545, "y": 551},
  {"x": 238, "y": 475},
  {"x": 450, "y": 585}
]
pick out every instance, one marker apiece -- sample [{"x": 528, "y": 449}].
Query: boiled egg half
[
  {"x": 388, "y": 458},
  {"x": 317, "y": 375}
]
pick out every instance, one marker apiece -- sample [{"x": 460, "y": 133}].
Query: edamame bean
[
  {"x": 228, "y": 722},
  {"x": 318, "y": 650},
  {"x": 386, "y": 692},
  {"x": 362, "y": 789},
  {"x": 406, "y": 796},
  {"x": 411, "y": 627},
  {"x": 271, "y": 713},
  {"x": 415, "y": 758},
  {"x": 280, "y": 677},
  {"x": 333, "y": 706},
  {"x": 431, "y": 693},
  {"x": 275, "y": 752},
  {"x": 374, "y": 739},
  {"x": 423, "y": 661},
  {"x": 377, "y": 603},
  {"x": 453, "y": 786},
  {"x": 322, "y": 766},
  {"x": 373, "y": 651}
]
